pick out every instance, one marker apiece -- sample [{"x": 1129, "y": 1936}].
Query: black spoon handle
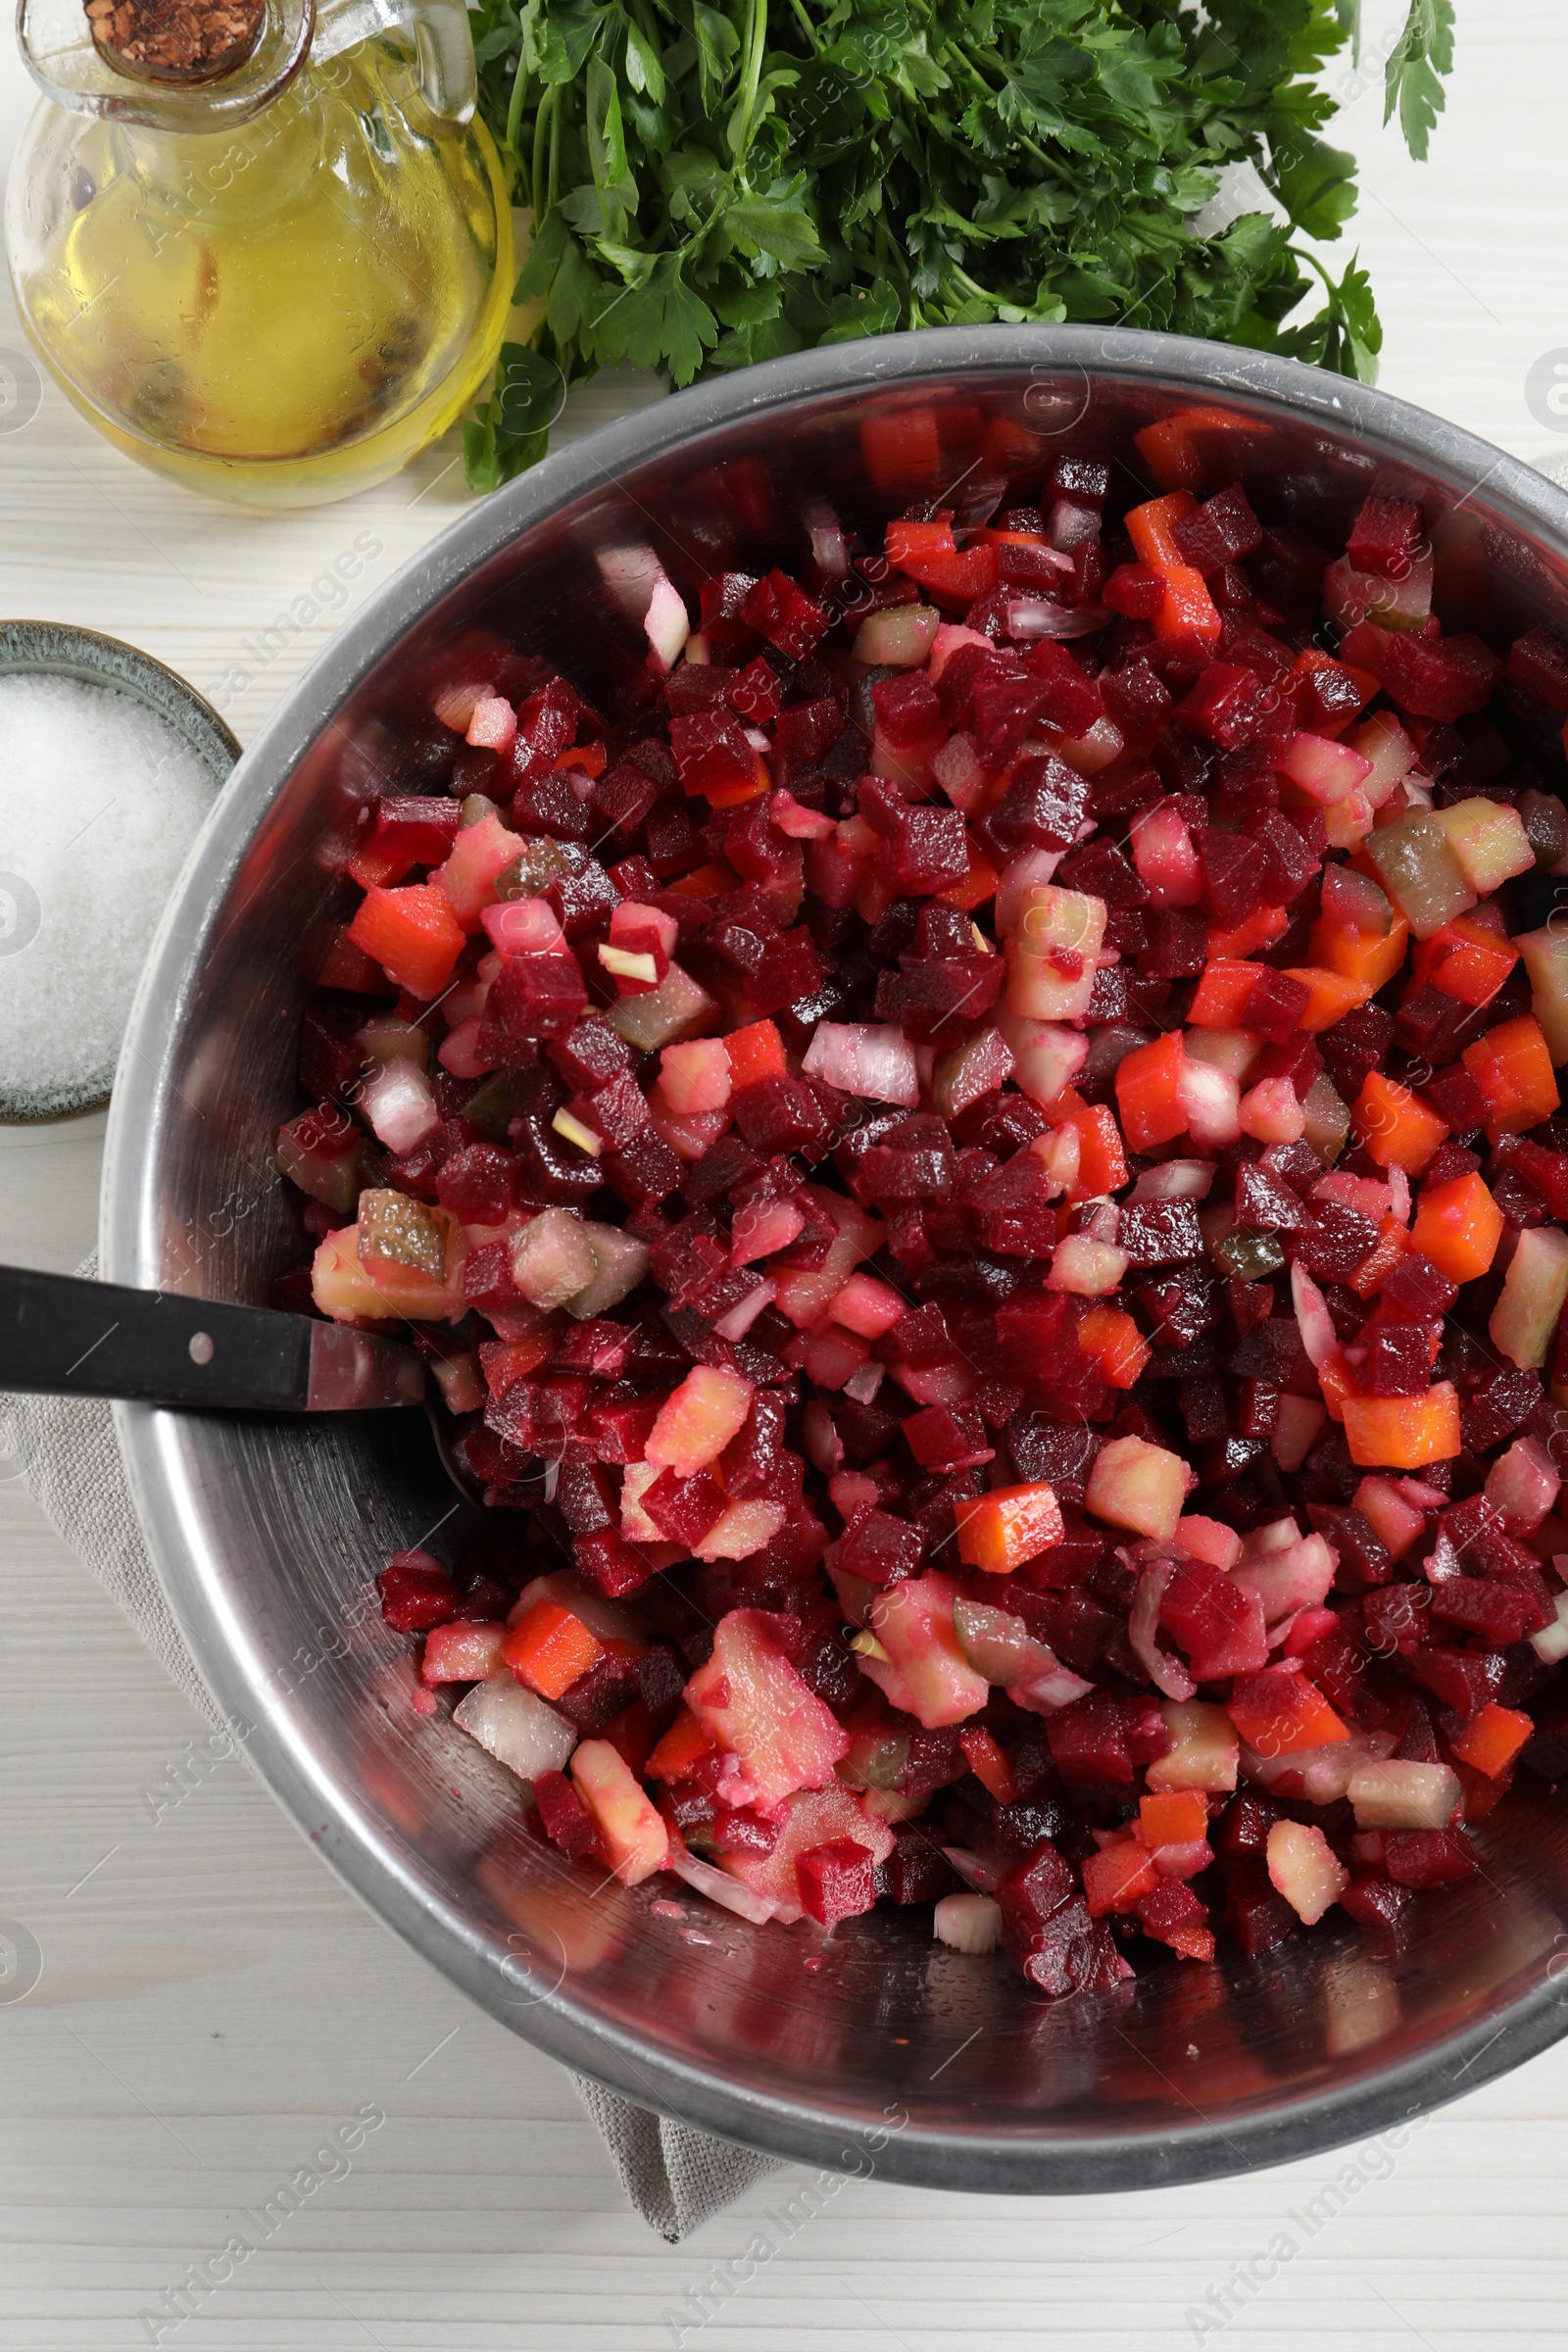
[{"x": 60, "y": 1337}]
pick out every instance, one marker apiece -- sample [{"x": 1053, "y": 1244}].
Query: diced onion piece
[
  {"x": 517, "y": 1727},
  {"x": 863, "y": 1057},
  {"x": 400, "y": 1104},
  {"x": 967, "y": 1923}
]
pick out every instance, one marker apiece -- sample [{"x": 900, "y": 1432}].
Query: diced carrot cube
[
  {"x": 989, "y": 1764},
  {"x": 1512, "y": 1066},
  {"x": 1173, "y": 1818},
  {"x": 1458, "y": 1226},
  {"x": 1492, "y": 1740},
  {"x": 1360, "y": 956},
  {"x": 1260, "y": 930},
  {"x": 1278, "y": 1712},
  {"x": 1101, "y": 1158},
  {"x": 1115, "y": 1876},
  {"x": 413, "y": 933},
  {"x": 1147, "y": 1092},
  {"x": 905, "y": 539},
  {"x": 1188, "y": 608},
  {"x": 1001, "y": 1530},
  {"x": 1404, "y": 1433},
  {"x": 684, "y": 1744},
  {"x": 1467, "y": 959},
  {"x": 980, "y": 882},
  {"x": 1222, "y": 991},
  {"x": 755, "y": 1051},
  {"x": 1330, "y": 995},
  {"x": 705, "y": 882},
  {"x": 1397, "y": 1127},
  {"x": 548, "y": 1649},
  {"x": 1111, "y": 1334},
  {"x": 1149, "y": 528},
  {"x": 1337, "y": 1382},
  {"x": 1381, "y": 1260}
]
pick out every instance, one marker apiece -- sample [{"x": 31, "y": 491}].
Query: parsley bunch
[{"x": 715, "y": 183}]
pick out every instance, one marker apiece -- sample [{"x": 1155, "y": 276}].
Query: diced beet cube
[
  {"x": 1043, "y": 808},
  {"x": 589, "y": 1055},
  {"x": 477, "y": 1184},
  {"x": 1274, "y": 1006},
  {"x": 1161, "y": 1233},
  {"x": 929, "y": 852},
  {"x": 1377, "y": 1907},
  {"x": 1169, "y": 1905},
  {"x": 643, "y": 1169},
  {"x": 1397, "y": 1362},
  {"x": 881, "y": 1549},
  {"x": 711, "y": 753},
  {"x": 917, "y": 1870},
  {"x": 1135, "y": 589},
  {"x": 780, "y": 611},
  {"x": 621, "y": 799},
  {"x": 1256, "y": 1916},
  {"x": 585, "y": 1496},
  {"x": 1499, "y": 1405},
  {"x": 1264, "y": 1203},
  {"x": 1100, "y": 871},
  {"x": 1222, "y": 531},
  {"x": 1228, "y": 706},
  {"x": 609, "y": 1565},
  {"x": 1337, "y": 1244},
  {"x": 907, "y": 712},
  {"x": 1395, "y": 1617},
  {"x": 1234, "y": 877},
  {"x": 1176, "y": 946},
  {"x": 1423, "y": 1858},
  {"x": 532, "y": 997},
  {"x": 1416, "y": 1289},
  {"x": 1437, "y": 677},
  {"x": 1499, "y": 1611},
  {"x": 1014, "y": 1206},
  {"x": 567, "y": 1821},
  {"x": 779, "y": 1114},
  {"x": 1004, "y": 700},
  {"x": 684, "y": 1508},
  {"x": 1538, "y": 664},
  {"x": 417, "y": 1592},
  {"x": 948, "y": 1437},
  {"x": 1086, "y": 1741},
  {"x": 1464, "y": 1679},
  {"x": 1385, "y": 536},
  {"x": 837, "y": 1880}
]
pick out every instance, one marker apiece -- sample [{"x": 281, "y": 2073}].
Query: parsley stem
[
  {"x": 806, "y": 26},
  {"x": 519, "y": 91},
  {"x": 740, "y": 124},
  {"x": 542, "y": 195}
]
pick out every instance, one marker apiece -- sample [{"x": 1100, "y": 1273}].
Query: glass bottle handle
[{"x": 448, "y": 77}]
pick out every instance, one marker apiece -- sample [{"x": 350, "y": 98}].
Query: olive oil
[{"x": 280, "y": 312}]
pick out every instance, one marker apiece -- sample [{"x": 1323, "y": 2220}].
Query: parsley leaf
[
  {"x": 715, "y": 183},
  {"x": 1422, "y": 54}
]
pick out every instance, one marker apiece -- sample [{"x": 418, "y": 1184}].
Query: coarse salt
[{"x": 100, "y": 799}]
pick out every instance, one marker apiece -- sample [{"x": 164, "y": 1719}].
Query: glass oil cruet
[{"x": 263, "y": 245}]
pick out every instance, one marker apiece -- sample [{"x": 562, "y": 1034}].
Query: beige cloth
[{"x": 68, "y": 1456}]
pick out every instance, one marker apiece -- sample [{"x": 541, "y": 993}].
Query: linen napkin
[{"x": 68, "y": 1454}]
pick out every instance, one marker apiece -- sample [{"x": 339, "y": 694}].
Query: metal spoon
[{"x": 62, "y": 1336}]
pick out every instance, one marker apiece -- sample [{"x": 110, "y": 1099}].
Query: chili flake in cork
[{"x": 175, "y": 40}]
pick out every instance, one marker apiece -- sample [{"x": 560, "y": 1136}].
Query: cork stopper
[{"x": 175, "y": 40}]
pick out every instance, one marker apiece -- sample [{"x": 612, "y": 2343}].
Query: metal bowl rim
[{"x": 794, "y": 2128}]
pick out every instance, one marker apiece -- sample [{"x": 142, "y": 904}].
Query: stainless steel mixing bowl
[{"x": 266, "y": 1535}]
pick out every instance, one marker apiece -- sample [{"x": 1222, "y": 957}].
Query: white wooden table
[{"x": 212, "y": 2003}]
